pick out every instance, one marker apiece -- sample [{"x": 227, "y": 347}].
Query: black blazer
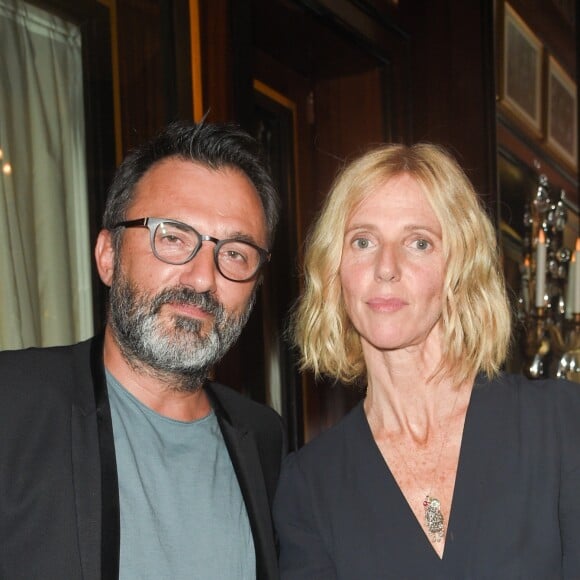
[{"x": 59, "y": 498}]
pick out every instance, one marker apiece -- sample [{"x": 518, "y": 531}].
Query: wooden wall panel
[
  {"x": 216, "y": 53},
  {"x": 453, "y": 82},
  {"x": 141, "y": 72}
]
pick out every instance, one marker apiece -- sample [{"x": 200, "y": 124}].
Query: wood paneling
[
  {"x": 141, "y": 72},
  {"x": 358, "y": 72},
  {"x": 217, "y": 63}
]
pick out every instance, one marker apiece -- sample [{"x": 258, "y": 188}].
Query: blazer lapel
[
  {"x": 110, "y": 512},
  {"x": 94, "y": 466},
  {"x": 246, "y": 461},
  {"x": 86, "y": 473}
]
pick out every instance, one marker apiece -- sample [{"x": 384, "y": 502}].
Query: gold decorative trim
[
  {"x": 284, "y": 101},
  {"x": 112, "y": 6},
  {"x": 196, "y": 62}
]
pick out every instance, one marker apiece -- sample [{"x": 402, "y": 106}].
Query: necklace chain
[{"x": 434, "y": 518}]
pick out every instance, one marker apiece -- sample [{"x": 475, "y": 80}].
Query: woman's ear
[{"x": 105, "y": 256}]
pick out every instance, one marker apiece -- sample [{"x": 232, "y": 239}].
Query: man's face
[{"x": 181, "y": 319}]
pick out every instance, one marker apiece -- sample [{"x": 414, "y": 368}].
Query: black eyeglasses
[{"x": 177, "y": 243}]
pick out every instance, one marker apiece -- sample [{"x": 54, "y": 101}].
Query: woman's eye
[
  {"x": 361, "y": 243},
  {"x": 421, "y": 244}
]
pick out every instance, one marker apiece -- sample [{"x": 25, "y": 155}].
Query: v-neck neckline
[{"x": 469, "y": 482}]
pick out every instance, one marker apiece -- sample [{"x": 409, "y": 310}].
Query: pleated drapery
[{"x": 45, "y": 280}]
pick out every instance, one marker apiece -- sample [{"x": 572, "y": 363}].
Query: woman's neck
[{"x": 405, "y": 395}]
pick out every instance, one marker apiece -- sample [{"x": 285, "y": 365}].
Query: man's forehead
[
  {"x": 179, "y": 189},
  {"x": 163, "y": 172}
]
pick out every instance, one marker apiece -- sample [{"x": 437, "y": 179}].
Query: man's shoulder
[
  {"x": 263, "y": 423},
  {"x": 239, "y": 408},
  {"x": 53, "y": 355},
  {"x": 242, "y": 412},
  {"x": 39, "y": 367}
]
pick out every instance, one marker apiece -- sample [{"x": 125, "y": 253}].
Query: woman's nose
[{"x": 387, "y": 266}]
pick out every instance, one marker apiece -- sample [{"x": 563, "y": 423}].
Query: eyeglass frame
[{"x": 152, "y": 223}]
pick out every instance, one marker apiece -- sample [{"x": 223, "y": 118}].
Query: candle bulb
[
  {"x": 570, "y": 293},
  {"x": 541, "y": 252},
  {"x": 576, "y": 305},
  {"x": 526, "y": 283}
]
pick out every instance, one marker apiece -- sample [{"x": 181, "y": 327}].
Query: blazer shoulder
[
  {"x": 533, "y": 392},
  {"x": 241, "y": 411},
  {"x": 36, "y": 361},
  {"x": 34, "y": 371},
  {"x": 543, "y": 407},
  {"x": 331, "y": 445}
]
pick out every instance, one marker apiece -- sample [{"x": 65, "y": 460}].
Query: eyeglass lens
[{"x": 177, "y": 244}]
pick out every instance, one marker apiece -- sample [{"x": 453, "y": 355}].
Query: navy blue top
[{"x": 516, "y": 506}]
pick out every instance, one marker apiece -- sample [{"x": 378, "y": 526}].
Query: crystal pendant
[{"x": 434, "y": 518}]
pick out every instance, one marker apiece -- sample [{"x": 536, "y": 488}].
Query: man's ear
[{"x": 105, "y": 256}]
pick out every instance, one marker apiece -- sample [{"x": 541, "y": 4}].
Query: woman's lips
[{"x": 392, "y": 304}]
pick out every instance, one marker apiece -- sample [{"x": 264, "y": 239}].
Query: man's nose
[{"x": 200, "y": 273}]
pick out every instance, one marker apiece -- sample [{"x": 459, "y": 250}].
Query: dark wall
[{"x": 349, "y": 73}]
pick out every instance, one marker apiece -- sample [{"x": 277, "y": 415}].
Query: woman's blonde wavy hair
[{"x": 476, "y": 315}]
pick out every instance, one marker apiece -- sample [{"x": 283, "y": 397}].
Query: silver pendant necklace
[{"x": 434, "y": 518}]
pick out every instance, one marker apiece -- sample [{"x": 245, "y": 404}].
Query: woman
[{"x": 448, "y": 468}]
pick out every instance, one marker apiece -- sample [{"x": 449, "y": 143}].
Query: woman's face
[{"x": 392, "y": 268}]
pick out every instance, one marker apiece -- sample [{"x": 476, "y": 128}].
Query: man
[{"x": 118, "y": 458}]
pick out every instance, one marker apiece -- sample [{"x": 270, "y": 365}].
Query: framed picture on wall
[
  {"x": 561, "y": 114},
  {"x": 521, "y": 72}
]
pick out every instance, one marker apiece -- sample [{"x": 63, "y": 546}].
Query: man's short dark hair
[{"x": 214, "y": 146}]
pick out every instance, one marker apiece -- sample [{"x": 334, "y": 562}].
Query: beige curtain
[{"x": 45, "y": 282}]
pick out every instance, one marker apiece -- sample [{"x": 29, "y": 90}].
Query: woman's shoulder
[
  {"x": 511, "y": 382},
  {"x": 333, "y": 442},
  {"x": 545, "y": 396}
]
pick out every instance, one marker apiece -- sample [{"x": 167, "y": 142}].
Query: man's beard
[{"x": 176, "y": 349}]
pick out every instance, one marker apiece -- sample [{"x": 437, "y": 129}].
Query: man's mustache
[{"x": 181, "y": 295}]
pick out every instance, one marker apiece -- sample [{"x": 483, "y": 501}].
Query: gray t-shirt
[{"x": 182, "y": 511}]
